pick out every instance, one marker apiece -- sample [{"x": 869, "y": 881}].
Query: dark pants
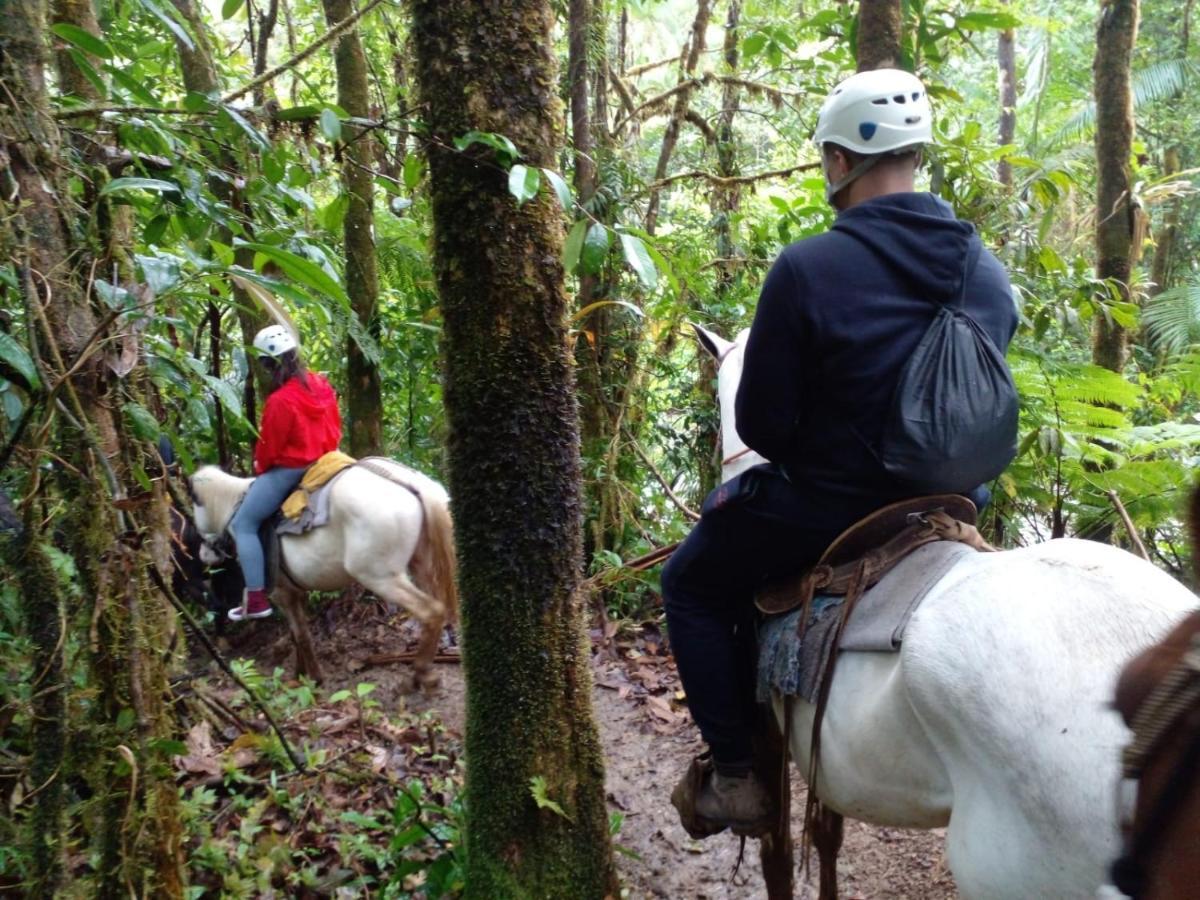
[{"x": 753, "y": 529}]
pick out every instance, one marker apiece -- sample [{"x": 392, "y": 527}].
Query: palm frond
[
  {"x": 1163, "y": 80},
  {"x": 1172, "y": 319}
]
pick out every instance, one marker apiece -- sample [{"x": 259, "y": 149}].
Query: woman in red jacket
[{"x": 300, "y": 424}]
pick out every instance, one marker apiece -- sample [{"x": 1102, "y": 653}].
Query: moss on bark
[
  {"x": 514, "y": 460},
  {"x": 878, "y": 44}
]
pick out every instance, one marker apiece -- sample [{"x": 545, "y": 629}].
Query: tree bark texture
[
  {"x": 687, "y": 70},
  {"x": 135, "y": 832},
  {"x": 1006, "y": 66},
  {"x": 364, "y": 397},
  {"x": 1115, "y": 38},
  {"x": 514, "y": 458},
  {"x": 878, "y": 44}
]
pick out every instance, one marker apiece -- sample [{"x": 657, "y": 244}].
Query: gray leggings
[{"x": 267, "y": 493}]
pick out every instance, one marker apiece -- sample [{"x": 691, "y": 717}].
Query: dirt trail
[{"x": 648, "y": 740}]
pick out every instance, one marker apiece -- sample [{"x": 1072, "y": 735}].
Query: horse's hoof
[{"x": 426, "y": 681}]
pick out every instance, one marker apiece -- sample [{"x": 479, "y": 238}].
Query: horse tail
[{"x": 436, "y": 552}]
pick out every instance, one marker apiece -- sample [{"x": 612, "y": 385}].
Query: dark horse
[{"x": 1158, "y": 695}]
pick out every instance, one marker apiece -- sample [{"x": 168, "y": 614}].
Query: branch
[
  {"x": 1129, "y": 526},
  {"x": 710, "y": 135},
  {"x": 333, "y": 33},
  {"x": 197, "y": 630},
  {"x": 623, "y": 90},
  {"x": 683, "y": 507},
  {"x": 719, "y": 181},
  {"x": 658, "y": 100}
]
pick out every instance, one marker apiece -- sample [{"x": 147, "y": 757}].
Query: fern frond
[{"x": 1172, "y": 319}]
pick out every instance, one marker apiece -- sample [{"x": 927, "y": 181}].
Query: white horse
[
  {"x": 393, "y": 535},
  {"x": 994, "y": 719}
]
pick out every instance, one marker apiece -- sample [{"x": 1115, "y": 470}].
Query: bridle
[{"x": 1168, "y": 705}]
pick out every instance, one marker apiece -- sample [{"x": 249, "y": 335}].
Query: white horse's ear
[{"x": 716, "y": 345}]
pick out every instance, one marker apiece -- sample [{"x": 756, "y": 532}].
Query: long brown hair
[{"x": 284, "y": 368}]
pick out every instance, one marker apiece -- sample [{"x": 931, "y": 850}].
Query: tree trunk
[
  {"x": 1115, "y": 38},
  {"x": 1168, "y": 234},
  {"x": 135, "y": 832},
  {"x": 687, "y": 70},
  {"x": 1007, "y": 72},
  {"x": 364, "y": 399},
  {"x": 514, "y": 461},
  {"x": 878, "y": 45}
]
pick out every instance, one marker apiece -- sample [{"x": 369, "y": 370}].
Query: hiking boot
[
  {"x": 740, "y": 803},
  {"x": 255, "y": 605},
  {"x": 709, "y": 802}
]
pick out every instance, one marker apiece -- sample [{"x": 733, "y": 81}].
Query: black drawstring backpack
[{"x": 953, "y": 421}]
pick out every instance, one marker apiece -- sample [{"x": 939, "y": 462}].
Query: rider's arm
[
  {"x": 272, "y": 433},
  {"x": 769, "y": 395}
]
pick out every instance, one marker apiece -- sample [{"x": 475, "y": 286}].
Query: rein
[
  {"x": 1167, "y": 706},
  {"x": 736, "y": 456}
]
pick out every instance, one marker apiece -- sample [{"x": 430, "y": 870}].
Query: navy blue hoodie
[{"x": 839, "y": 315}]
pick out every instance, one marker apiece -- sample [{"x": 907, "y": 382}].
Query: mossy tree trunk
[
  {"x": 135, "y": 834},
  {"x": 364, "y": 402},
  {"x": 1115, "y": 38},
  {"x": 514, "y": 459},
  {"x": 879, "y": 29}
]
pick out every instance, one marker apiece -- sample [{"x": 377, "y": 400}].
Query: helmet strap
[{"x": 832, "y": 188}]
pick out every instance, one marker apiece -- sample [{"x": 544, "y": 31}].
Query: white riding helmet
[
  {"x": 274, "y": 341},
  {"x": 880, "y": 111}
]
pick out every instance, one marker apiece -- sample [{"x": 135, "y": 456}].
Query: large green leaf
[
  {"x": 300, "y": 269},
  {"x": 331, "y": 125},
  {"x": 639, "y": 260},
  {"x": 16, "y": 356},
  {"x": 560, "y": 188},
  {"x": 574, "y": 244},
  {"x": 155, "y": 185},
  {"x": 174, "y": 26},
  {"x": 82, "y": 39},
  {"x": 523, "y": 183},
  {"x": 595, "y": 248}
]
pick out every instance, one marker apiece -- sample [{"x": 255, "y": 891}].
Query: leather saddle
[{"x": 871, "y": 547}]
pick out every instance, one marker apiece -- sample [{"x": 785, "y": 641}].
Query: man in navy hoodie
[{"x": 839, "y": 315}]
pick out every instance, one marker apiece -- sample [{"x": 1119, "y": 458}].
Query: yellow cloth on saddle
[{"x": 314, "y": 476}]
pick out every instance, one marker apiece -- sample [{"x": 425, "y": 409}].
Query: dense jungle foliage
[{"x": 198, "y": 166}]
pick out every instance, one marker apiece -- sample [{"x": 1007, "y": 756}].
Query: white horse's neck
[
  {"x": 736, "y": 457},
  {"x": 217, "y": 495}
]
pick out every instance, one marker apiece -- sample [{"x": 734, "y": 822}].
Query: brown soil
[{"x": 648, "y": 740}]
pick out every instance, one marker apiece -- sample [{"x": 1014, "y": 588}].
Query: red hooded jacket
[{"x": 300, "y": 424}]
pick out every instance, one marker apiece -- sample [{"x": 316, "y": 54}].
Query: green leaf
[
  {"x": 83, "y": 63},
  {"x": 339, "y": 696},
  {"x": 506, "y": 150},
  {"x": 537, "y": 787},
  {"x": 161, "y": 272},
  {"x": 18, "y": 358},
  {"x": 414, "y": 168},
  {"x": 595, "y": 248},
  {"x": 753, "y": 45},
  {"x": 173, "y": 26},
  {"x": 574, "y": 244},
  {"x": 331, "y": 125},
  {"x": 256, "y": 136},
  {"x": 639, "y": 260},
  {"x": 303, "y": 270},
  {"x": 225, "y": 393},
  {"x": 142, "y": 421},
  {"x": 523, "y": 183},
  {"x": 978, "y": 21},
  {"x": 132, "y": 86},
  {"x": 560, "y": 189},
  {"x": 229, "y": 7},
  {"x": 295, "y": 113},
  {"x": 140, "y": 184},
  {"x": 82, "y": 39}
]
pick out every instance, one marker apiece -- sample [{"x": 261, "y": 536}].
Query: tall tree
[
  {"x": 1116, "y": 34},
  {"x": 135, "y": 831},
  {"x": 514, "y": 460},
  {"x": 878, "y": 43},
  {"x": 364, "y": 401}
]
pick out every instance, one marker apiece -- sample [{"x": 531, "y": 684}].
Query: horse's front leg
[
  {"x": 425, "y": 676},
  {"x": 291, "y": 601}
]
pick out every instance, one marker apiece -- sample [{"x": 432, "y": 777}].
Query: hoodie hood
[
  {"x": 312, "y": 400},
  {"x": 917, "y": 236}
]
